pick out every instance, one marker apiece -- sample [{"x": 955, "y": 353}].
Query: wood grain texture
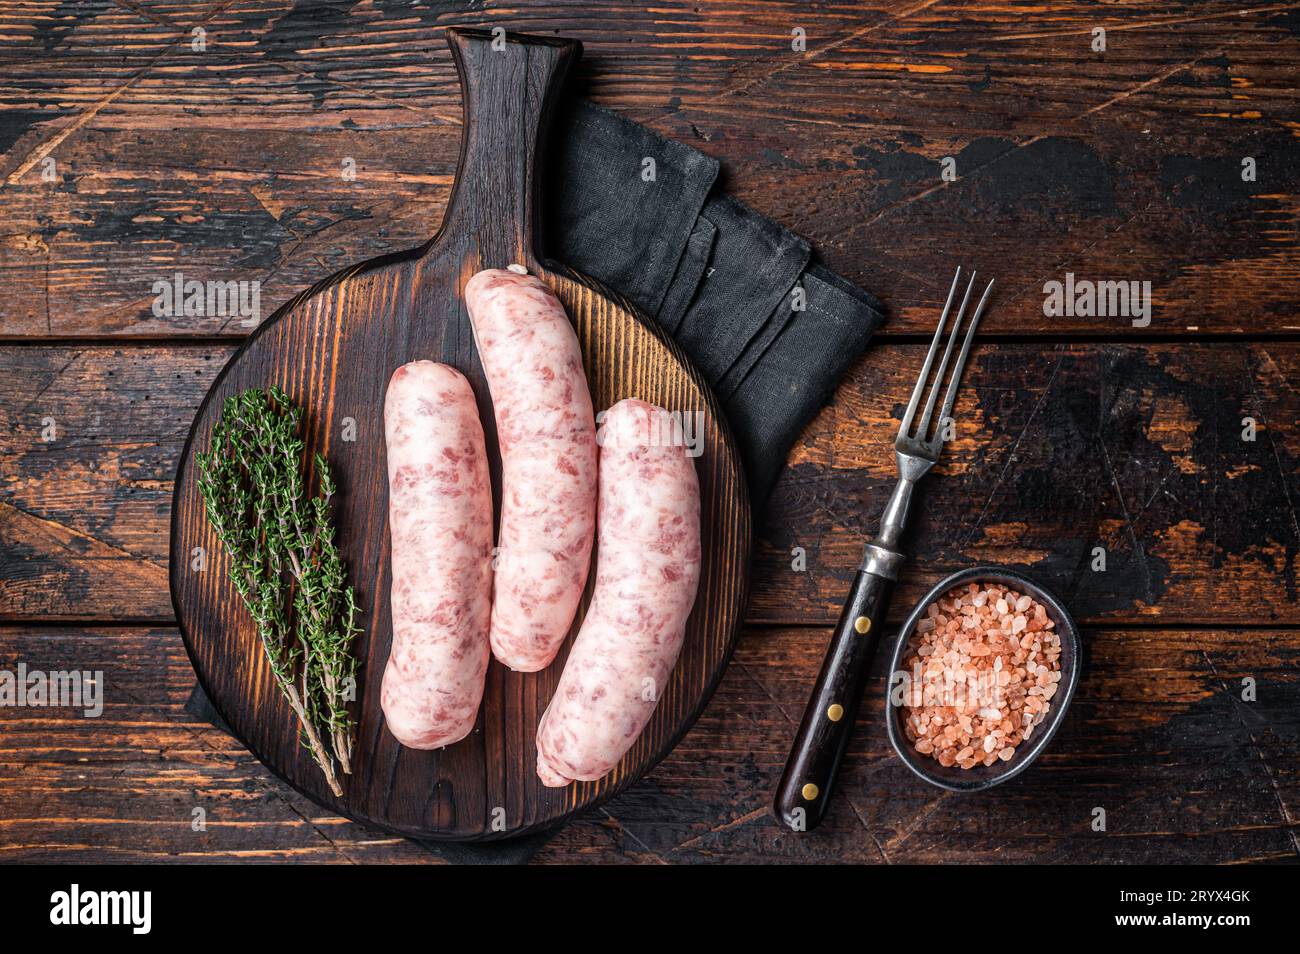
[
  {"x": 1158, "y": 735},
  {"x": 226, "y": 163},
  {"x": 1138, "y": 450},
  {"x": 125, "y": 787},
  {"x": 333, "y": 352},
  {"x": 1060, "y": 449}
]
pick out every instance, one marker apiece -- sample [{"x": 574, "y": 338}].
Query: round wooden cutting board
[{"x": 332, "y": 349}]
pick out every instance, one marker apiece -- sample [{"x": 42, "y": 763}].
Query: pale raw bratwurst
[
  {"x": 647, "y": 572},
  {"x": 440, "y": 520},
  {"x": 548, "y": 463}
]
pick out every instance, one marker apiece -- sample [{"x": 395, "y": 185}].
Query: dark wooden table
[{"x": 130, "y": 151}]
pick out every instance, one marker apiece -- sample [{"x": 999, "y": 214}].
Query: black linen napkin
[{"x": 771, "y": 330}]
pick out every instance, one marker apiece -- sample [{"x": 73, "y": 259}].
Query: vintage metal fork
[{"x": 828, "y": 721}]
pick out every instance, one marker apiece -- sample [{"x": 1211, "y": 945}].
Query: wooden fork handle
[{"x": 832, "y": 710}]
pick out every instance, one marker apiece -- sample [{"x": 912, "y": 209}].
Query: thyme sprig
[{"x": 285, "y": 565}]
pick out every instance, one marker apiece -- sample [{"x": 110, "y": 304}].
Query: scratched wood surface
[
  {"x": 229, "y": 162},
  {"x": 1060, "y": 449},
  {"x": 1158, "y": 736},
  {"x": 1074, "y": 432}
]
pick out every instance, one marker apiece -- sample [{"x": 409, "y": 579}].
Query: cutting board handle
[{"x": 510, "y": 84}]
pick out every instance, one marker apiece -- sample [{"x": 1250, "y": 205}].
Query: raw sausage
[
  {"x": 546, "y": 431},
  {"x": 647, "y": 571},
  {"x": 547, "y": 435},
  {"x": 440, "y": 521}
]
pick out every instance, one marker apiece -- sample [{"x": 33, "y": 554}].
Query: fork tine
[
  {"x": 951, "y": 396},
  {"x": 912, "y": 404},
  {"x": 924, "y": 426}
]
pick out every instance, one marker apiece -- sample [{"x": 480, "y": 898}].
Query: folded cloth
[{"x": 771, "y": 330}]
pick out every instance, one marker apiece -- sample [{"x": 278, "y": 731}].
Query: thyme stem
[{"x": 285, "y": 565}]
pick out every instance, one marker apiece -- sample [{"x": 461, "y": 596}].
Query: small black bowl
[{"x": 980, "y": 777}]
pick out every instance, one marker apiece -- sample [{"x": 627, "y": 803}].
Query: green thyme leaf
[{"x": 285, "y": 565}]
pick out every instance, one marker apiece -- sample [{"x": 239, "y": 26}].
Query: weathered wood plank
[
  {"x": 227, "y": 163},
  {"x": 1058, "y": 450},
  {"x": 84, "y": 515},
  {"x": 126, "y": 786},
  {"x": 1158, "y": 736}
]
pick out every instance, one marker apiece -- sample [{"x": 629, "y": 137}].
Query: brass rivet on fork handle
[{"x": 819, "y": 745}]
